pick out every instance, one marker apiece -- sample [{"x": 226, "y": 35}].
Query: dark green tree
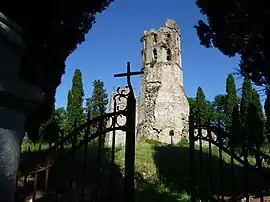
[
  {"x": 75, "y": 101},
  {"x": 61, "y": 116},
  {"x": 238, "y": 27},
  {"x": 97, "y": 105},
  {"x": 61, "y": 28},
  {"x": 61, "y": 113},
  {"x": 245, "y": 101},
  {"x": 255, "y": 121},
  {"x": 257, "y": 103},
  {"x": 267, "y": 111},
  {"x": 235, "y": 135},
  {"x": 231, "y": 101},
  {"x": 69, "y": 100},
  {"x": 219, "y": 107},
  {"x": 192, "y": 107},
  {"x": 68, "y": 126},
  {"x": 99, "y": 100},
  {"x": 210, "y": 111},
  {"x": 51, "y": 130},
  {"x": 202, "y": 110}
]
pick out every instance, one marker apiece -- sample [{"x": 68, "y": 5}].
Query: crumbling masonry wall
[{"x": 163, "y": 105}]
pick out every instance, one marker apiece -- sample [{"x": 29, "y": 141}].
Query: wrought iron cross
[{"x": 128, "y": 74}]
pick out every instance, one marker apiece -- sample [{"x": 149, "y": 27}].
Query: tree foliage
[
  {"x": 245, "y": 100},
  {"x": 75, "y": 101},
  {"x": 267, "y": 111},
  {"x": 231, "y": 101},
  {"x": 246, "y": 124},
  {"x": 255, "y": 121},
  {"x": 202, "y": 108},
  {"x": 61, "y": 116},
  {"x": 51, "y": 130},
  {"x": 52, "y": 32},
  {"x": 97, "y": 104},
  {"x": 219, "y": 107},
  {"x": 192, "y": 107},
  {"x": 239, "y": 27},
  {"x": 235, "y": 133}
]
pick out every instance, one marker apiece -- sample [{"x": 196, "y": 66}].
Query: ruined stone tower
[{"x": 163, "y": 105}]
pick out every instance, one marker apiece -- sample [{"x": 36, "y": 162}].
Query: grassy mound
[{"x": 162, "y": 172}]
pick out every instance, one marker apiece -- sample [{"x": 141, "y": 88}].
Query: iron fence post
[
  {"x": 191, "y": 159},
  {"x": 130, "y": 149}
]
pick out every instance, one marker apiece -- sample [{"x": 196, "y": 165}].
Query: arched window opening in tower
[
  {"x": 168, "y": 36},
  {"x": 155, "y": 53},
  {"x": 169, "y": 55},
  {"x": 144, "y": 44},
  {"x": 142, "y": 53},
  {"x": 155, "y": 38}
]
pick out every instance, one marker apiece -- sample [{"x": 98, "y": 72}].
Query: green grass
[
  {"x": 33, "y": 147},
  {"x": 166, "y": 173},
  {"x": 162, "y": 173},
  {"x": 148, "y": 184}
]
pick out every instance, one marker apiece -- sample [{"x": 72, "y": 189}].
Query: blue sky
[{"x": 115, "y": 39}]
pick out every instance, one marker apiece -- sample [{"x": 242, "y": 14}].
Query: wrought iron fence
[
  {"x": 49, "y": 164},
  {"x": 221, "y": 171}
]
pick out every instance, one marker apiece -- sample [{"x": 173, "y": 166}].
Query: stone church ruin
[{"x": 162, "y": 106}]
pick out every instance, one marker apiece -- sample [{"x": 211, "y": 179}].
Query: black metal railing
[
  {"x": 93, "y": 130},
  {"x": 219, "y": 171},
  {"x": 49, "y": 164},
  {"x": 46, "y": 165}
]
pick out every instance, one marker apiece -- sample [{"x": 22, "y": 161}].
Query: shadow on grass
[
  {"x": 173, "y": 167},
  {"x": 69, "y": 174},
  {"x": 101, "y": 179},
  {"x": 152, "y": 192}
]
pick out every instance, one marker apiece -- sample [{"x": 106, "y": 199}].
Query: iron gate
[
  {"x": 221, "y": 172},
  {"x": 45, "y": 166}
]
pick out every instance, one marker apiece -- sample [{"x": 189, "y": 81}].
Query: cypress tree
[
  {"x": 192, "y": 107},
  {"x": 255, "y": 122},
  {"x": 61, "y": 116},
  {"x": 202, "y": 111},
  {"x": 97, "y": 105},
  {"x": 257, "y": 103},
  {"x": 51, "y": 130},
  {"x": 267, "y": 110},
  {"x": 75, "y": 101},
  {"x": 231, "y": 101},
  {"x": 99, "y": 100},
  {"x": 235, "y": 137},
  {"x": 219, "y": 107},
  {"x": 68, "y": 125},
  {"x": 245, "y": 101},
  {"x": 69, "y": 100}
]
